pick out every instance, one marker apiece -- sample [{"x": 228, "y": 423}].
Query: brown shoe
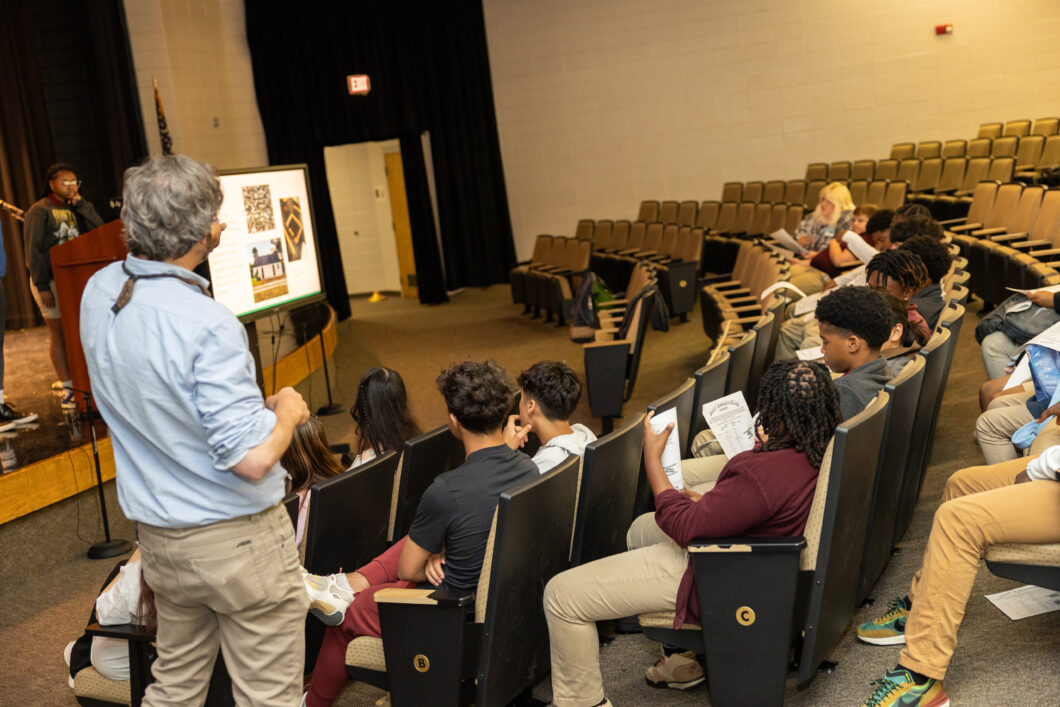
[{"x": 679, "y": 671}]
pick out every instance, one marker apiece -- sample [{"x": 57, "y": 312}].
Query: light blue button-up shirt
[{"x": 173, "y": 377}]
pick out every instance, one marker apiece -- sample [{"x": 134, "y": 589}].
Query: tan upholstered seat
[
  {"x": 89, "y": 683},
  {"x": 367, "y": 652},
  {"x": 1044, "y": 554}
]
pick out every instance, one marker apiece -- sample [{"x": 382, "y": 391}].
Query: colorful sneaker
[
  {"x": 67, "y": 401},
  {"x": 9, "y": 415},
  {"x": 889, "y": 629},
  {"x": 898, "y": 689},
  {"x": 678, "y": 671},
  {"x": 57, "y": 387},
  {"x": 327, "y": 600}
]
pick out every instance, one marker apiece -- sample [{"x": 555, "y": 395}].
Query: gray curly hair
[{"x": 170, "y": 203}]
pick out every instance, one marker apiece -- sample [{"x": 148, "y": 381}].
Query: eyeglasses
[{"x": 70, "y": 182}]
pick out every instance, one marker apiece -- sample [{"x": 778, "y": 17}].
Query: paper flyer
[{"x": 730, "y": 421}]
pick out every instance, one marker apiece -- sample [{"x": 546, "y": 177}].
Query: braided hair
[
  {"x": 798, "y": 406},
  {"x": 903, "y": 266},
  {"x": 381, "y": 412}
]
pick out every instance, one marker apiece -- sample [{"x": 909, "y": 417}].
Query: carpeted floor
[{"x": 48, "y": 585}]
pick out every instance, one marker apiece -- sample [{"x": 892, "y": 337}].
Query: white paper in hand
[
  {"x": 808, "y": 304},
  {"x": 1021, "y": 374},
  {"x": 731, "y": 423},
  {"x": 857, "y": 245},
  {"x": 671, "y": 456},
  {"x": 784, "y": 238},
  {"x": 811, "y": 354}
]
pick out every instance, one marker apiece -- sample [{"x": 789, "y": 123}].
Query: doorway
[{"x": 367, "y": 185}]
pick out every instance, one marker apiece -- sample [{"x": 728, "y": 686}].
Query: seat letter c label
[{"x": 745, "y": 616}]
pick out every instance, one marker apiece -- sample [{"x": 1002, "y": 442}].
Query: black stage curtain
[
  {"x": 69, "y": 95},
  {"x": 429, "y": 69}
]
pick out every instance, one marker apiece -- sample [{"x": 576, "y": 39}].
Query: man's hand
[
  {"x": 1050, "y": 411},
  {"x": 288, "y": 402},
  {"x": 47, "y": 298},
  {"x": 514, "y": 435},
  {"x": 1042, "y": 299},
  {"x": 690, "y": 494},
  {"x": 654, "y": 442},
  {"x": 435, "y": 568},
  {"x": 1022, "y": 478}
]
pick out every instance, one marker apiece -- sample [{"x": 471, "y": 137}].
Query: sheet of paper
[
  {"x": 784, "y": 238},
  {"x": 1026, "y": 601},
  {"x": 861, "y": 250},
  {"x": 808, "y": 303},
  {"x": 782, "y": 285},
  {"x": 811, "y": 354},
  {"x": 1050, "y": 338},
  {"x": 1021, "y": 375},
  {"x": 854, "y": 277},
  {"x": 1050, "y": 288},
  {"x": 671, "y": 456},
  {"x": 731, "y": 423}
]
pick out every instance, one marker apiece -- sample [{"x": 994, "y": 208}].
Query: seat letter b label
[{"x": 421, "y": 663}]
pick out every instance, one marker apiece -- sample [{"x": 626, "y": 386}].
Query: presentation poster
[{"x": 268, "y": 252}]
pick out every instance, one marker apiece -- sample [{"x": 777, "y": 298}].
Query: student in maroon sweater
[{"x": 766, "y": 491}]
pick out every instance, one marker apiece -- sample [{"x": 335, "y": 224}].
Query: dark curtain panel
[
  {"x": 429, "y": 70},
  {"x": 68, "y": 95}
]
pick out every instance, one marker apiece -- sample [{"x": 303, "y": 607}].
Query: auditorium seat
[
  {"x": 732, "y": 191},
  {"x": 928, "y": 178},
  {"x": 928, "y": 149},
  {"x": 708, "y": 215},
  {"x": 908, "y": 170},
  {"x": 863, "y": 169},
  {"x": 668, "y": 211},
  {"x": 816, "y": 171},
  {"x": 949, "y": 181},
  {"x": 686, "y": 213},
  {"x": 1004, "y": 146},
  {"x": 760, "y": 221},
  {"x": 584, "y": 230},
  {"x": 649, "y": 211},
  {"x": 1017, "y": 128},
  {"x": 989, "y": 130},
  {"x": 1046, "y": 126},
  {"x": 600, "y": 233},
  {"x": 979, "y": 147},
  {"x": 709, "y": 386},
  {"x": 752, "y": 191},
  {"x": 947, "y": 207},
  {"x": 954, "y": 148},
  {"x": 1023, "y": 562},
  {"x": 1029, "y": 152},
  {"x": 740, "y": 354},
  {"x": 876, "y": 192},
  {"x": 423, "y": 459},
  {"x": 813, "y": 193},
  {"x": 443, "y": 648},
  {"x": 677, "y": 275},
  {"x": 776, "y": 591},
  {"x": 517, "y": 276},
  {"x": 1050, "y": 157},
  {"x": 902, "y": 151},
  {"x": 726, "y": 217},
  {"x": 888, "y": 169},
  {"x": 795, "y": 193},
  {"x": 796, "y": 212},
  {"x": 839, "y": 171}
]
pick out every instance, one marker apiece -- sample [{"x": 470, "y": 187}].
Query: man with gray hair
[{"x": 196, "y": 448}]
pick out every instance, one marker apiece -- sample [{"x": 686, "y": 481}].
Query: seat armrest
[
  {"x": 125, "y": 632},
  {"x": 747, "y": 544},
  {"x": 1004, "y": 237},
  {"x": 947, "y": 190},
  {"x": 746, "y": 308},
  {"x": 624, "y": 343},
  {"x": 1028, "y": 245},
  {"x": 964, "y": 228},
  {"x": 716, "y": 279},
  {"x": 428, "y": 597},
  {"x": 947, "y": 224},
  {"x": 745, "y": 320},
  {"x": 1044, "y": 253},
  {"x": 989, "y": 231},
  {"x": 613, "y": 303}
]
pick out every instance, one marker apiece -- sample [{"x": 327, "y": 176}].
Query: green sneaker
[
  {"x": 889, "y": 629},
  {"x": 898, "y": 689}
]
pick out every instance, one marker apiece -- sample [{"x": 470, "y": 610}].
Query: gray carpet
[{"x": 48, "y": 585}]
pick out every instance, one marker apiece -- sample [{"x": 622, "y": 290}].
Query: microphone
[{"x": 13, "y": 210}]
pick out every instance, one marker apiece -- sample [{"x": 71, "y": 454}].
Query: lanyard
[{"x": 127, "y": 289}]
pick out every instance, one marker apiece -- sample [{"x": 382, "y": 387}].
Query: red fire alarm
[
  {"x": 358, "y": 84},
  {"x": 944, "y": 29}
]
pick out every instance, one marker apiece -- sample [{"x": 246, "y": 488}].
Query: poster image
[
  {"x": 257, "y": 205},
  {"x": 268, "y": 272},
  {"x": 293, "y": 232}
]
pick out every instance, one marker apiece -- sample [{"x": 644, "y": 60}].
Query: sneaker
[
  {"x": 57, "y": 387},
  {"x": 889, "y": 629},
  {"x": 897, "y": 687},
  {"x": 679, "y": 671},
  {"x": 67, "y": 400},
  {"x": 66, "y": 656},
  {"x": 327, "y": 600},
  {"x": 9, "y": 415}
]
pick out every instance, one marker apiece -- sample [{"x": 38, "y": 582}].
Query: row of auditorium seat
[{"x": 547, "y": 283}]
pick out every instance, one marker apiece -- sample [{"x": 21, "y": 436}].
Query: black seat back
[
  {"x": 710, "y": 385},
  {"x": 531, "y": 545},
  {"x": 610, "y": 469},
  {"x": 934, "y": 353},
  {"x": 831, "y": 600},
  {"x": 290, "y": 503},
  {"x": 424, "y": 458},
  {"x": 680, "y": 398},
  {"x": 761, "y": 357},
  {"x": 904, "y": 391},
  {"x": 740, "y": 355},
  {"x": 644, "y": 316}
]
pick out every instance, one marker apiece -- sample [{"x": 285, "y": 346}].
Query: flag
[{"x": 163, "y": 131}]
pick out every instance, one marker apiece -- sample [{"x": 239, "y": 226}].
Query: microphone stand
[
  {"x": 18, "y": 213},
  {"x": 332, "y": 408},
  {"x": 106, "y": 548}
]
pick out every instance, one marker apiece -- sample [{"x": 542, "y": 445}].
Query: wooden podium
[{"x": 73, "y": 263}]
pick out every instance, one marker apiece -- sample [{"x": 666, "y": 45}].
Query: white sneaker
[
  {"x": 66, "y": 656},
  {"x": 327, "y": 600}
]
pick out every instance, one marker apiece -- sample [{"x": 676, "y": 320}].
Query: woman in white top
[{"x": 307, "y": 460}]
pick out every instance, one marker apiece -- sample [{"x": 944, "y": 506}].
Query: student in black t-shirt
[{"x": 447, "y": 541}]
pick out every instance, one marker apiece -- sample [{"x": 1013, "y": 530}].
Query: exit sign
[{"x": 358, "y": 84}]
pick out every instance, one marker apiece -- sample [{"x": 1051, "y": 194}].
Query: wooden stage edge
[{"x": 51, "y": 480}]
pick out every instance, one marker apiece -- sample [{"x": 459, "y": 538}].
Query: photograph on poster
[{"x": 268, "y": 254}]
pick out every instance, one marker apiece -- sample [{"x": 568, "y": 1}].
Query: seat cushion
[
  {"x": 1047, "y": 554},
  {"x": 366, "y": 652},
  {"x": 89, "y": 683},
  {"x": 664, "y": 619}
]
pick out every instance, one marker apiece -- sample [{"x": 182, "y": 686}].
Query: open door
[{"x": 399, "y": 208}]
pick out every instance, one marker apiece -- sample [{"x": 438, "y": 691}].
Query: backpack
[
  {"x": 583, "y": 308},
  {"x": 1019, "y": 323}
]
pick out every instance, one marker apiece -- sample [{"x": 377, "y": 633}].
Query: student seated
[
  {"x": 834, "y": 214},
  {"x": 307, "y": 461},
  {"x": 836, "y": 257},
  {"x": 998, "y": 349},
  {"x": 1014, "y": 502},
  {"x": 936, "y": 257},
  {"x": 764, "y": 492},
  {"x": 913, "y": 226},
  {"x": 447, "y": 541},
  {"x": 878, "y": 229},
  {"x": 901, "y": 346},
  {"x": 381, "y": 415},
  {"x": 549, "y": 393},
  {"x": 855, "y": 322},
  {"x": 901, "y": 273}
]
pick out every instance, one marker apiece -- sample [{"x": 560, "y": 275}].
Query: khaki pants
[
  {"x": 795, "y": 334},
  {"x": 981, "y": 506},
  {"x": 995, "y": 427},
  {"x": 236, "y": 584},
  {"x": 627, "y": 584}
]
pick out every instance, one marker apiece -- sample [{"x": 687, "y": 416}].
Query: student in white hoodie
[{"x": 549, "y": 394}]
